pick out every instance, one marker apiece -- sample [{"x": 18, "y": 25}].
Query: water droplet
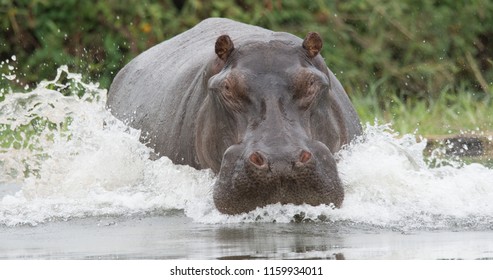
[{"x": 10, "y": 77}]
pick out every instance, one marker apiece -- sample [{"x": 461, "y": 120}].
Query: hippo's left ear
[
  {"x": 224, "y": 47},
  {"x": 312, "y": 44}
]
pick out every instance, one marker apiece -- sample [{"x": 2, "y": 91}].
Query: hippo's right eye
[
  {"x": 232, "y": 94},
  {"x": 227, "y": 89}
]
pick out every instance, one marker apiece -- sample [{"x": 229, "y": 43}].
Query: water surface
[{"x": 178, "y": 237}]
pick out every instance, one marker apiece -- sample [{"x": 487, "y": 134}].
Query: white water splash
[
  {"x": 91, "y": 164},
  {"x": 96, "y": 167}
]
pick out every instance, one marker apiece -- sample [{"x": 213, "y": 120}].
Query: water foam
[{"x": 91, "y": 164}]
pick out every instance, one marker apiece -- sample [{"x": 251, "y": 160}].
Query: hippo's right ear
[{"x": 224, "y": 47}]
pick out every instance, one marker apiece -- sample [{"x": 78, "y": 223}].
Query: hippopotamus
[{"x": 259, "y": 108}]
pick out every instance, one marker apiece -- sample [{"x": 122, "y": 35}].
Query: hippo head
[{"x": 266, "y": 126}]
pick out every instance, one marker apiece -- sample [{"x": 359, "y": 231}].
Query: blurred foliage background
[{"x": 383, "y": 51}]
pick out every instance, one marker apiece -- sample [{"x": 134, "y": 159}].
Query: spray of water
[{"x": 64, "y": 156}]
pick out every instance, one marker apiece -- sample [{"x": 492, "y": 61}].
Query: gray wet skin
[{"x": 260, "y": 108}]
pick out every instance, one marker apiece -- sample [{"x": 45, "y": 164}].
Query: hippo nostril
[
  {"x": 305, "y": 156},
  {"x": 257, "y": 159}
]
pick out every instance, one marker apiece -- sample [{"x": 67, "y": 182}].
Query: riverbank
[{"x": 468, "y": 147}]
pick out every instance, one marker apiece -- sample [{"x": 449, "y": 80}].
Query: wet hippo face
[{"x": 263, "y": 116}]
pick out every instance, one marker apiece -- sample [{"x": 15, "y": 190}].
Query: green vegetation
[
  {"x": 407, "y": 62},
  {"x": 448, "y": 113}
]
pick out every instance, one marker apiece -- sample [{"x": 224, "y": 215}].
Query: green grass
[{"x": 448, "y": 113}]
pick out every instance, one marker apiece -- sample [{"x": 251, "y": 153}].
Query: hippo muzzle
[{"x": 284, "y": 175}]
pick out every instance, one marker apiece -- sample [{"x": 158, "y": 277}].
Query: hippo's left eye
[
  {"x": 314, "y": 85},
  {"x": 307, "y": 89}
]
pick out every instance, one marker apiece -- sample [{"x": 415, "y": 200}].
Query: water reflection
[{"x": 279, "y": 241}]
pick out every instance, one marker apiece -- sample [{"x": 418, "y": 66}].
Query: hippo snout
[
  {"x": 258, "y": 177},
  {"x": 260, "y": 161}
]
